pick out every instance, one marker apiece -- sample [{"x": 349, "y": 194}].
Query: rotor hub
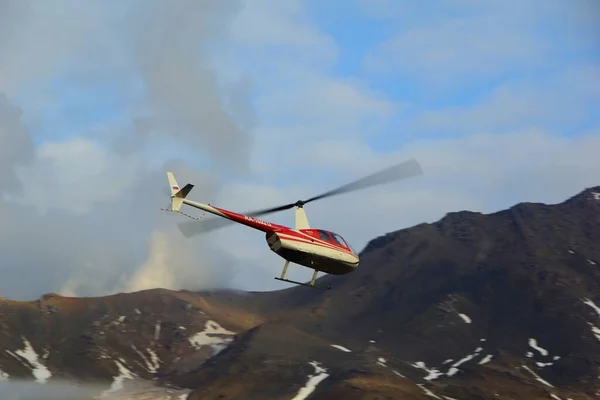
[{"x": 299, "y": 204}]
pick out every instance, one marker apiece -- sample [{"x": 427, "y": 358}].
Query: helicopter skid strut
[{"x": 310, "y": 285}]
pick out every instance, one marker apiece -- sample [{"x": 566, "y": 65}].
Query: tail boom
[{"x": 178, "y": 198}]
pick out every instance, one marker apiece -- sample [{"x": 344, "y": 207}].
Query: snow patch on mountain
[
  {"x": 465, "y": 318},
  {"x": 595, "y": 329},
  {"x": 432, "y": 373},
  {"x": 398, "y": 374},
  {"x": 486, "y": 359},
  {"x": 592, "y": 304},
  {"x": 537, "y": 377},
  {"x": 428, "y": 392},
  {"x": 534, "y": 344},
  {"x": 118, "y": 380},
  {"x": 454, "y": 368},
  {"x": 30, "y": 359},
  {"x": 207, "y": 337},
  {"x": 313, "y": 380},
  {"x": 342, "y": 348},
  {"x": 153, "y": 363}
]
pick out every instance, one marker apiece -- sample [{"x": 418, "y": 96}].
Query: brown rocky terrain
[{"x": 503, "y": 305}]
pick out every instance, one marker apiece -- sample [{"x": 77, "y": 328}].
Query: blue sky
[
  {"x": 78, "y": 104},
  {"x": 357, "y": 34},
  {"x": 498, "y": 101}
]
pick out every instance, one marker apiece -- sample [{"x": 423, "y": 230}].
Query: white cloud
[
  {"x": 99, "y": 232},
  {"x": 75, "y": 175},
  {"x": 344, "y": 101},
  {"x": 87, "y": 219},
  {"x": 102, "y": 229},
  {"x": 158, "y": 270},
  {"x": 170, "y": 264},
  {"x": 16, "y": 147},
  {"x": 461, "y": 46},
  {"x": 560, "y": 100},
  {"x": 267, "y": 34},
  {"x": 275, "y": 23},
  {"x": 301, "y": 101},
  {"x": 456, "y": 42}
]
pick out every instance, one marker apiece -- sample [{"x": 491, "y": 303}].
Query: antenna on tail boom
[{"x": 169, "y": 211}]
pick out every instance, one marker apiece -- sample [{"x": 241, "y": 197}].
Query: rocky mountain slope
[{"x": 474, "y": 306}]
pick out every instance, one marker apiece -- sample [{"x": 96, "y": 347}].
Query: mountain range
[{"x": 475, "y": 306}]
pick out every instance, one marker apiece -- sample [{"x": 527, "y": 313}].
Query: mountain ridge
[{"x": 472, "y": 306}]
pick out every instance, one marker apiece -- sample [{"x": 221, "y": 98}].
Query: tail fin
[
  {"x": 301, "y": 220},
  {"x": 177, "y": 194}
]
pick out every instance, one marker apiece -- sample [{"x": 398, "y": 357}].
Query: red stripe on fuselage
[
  {"x": 303, "y": 235},
  {"x": 280, "y": 229},
  {"x": 315, "y": 242},
  {"x": 251, "y": 222}
]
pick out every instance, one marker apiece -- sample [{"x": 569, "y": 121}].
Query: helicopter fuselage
[
  {"x": 317, "y": 249},
  {"x": 310, "y": 248}
]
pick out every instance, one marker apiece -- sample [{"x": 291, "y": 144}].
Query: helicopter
[{"x": 318, "y": 249}]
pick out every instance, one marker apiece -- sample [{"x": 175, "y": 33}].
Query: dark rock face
[{"x": 474, "y": 306}]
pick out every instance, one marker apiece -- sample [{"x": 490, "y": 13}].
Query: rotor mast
[{"x": 301, "y": 219}]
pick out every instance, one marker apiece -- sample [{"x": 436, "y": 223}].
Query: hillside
[{"x": 474, "y": 306}]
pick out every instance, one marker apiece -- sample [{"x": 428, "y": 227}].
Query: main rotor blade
[
  {"x": 406, "y": 169},
  {"x": 193, "y": 228},
  {"x": 269, "y": 210}
]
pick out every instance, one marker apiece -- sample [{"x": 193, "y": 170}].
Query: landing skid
[
  {"x": 310, "y": 285},
  {"x": 304, "y": 284}
]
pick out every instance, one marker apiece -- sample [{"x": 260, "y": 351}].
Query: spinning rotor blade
[
  {"x": 193, "y": 228},
  {"x": 270, "y": 210},
  {"x": 406, "y": 169}
]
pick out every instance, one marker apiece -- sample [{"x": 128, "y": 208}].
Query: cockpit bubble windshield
[{"x": 340, "y": 240}]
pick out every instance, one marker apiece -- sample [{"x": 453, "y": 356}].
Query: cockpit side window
[{"x": 324, "y": 236}]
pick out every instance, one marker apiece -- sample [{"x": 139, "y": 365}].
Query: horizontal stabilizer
[{"x": 184, "y": 191}]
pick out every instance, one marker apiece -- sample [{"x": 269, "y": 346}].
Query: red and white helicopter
[{"x": 317, "y": 249}]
